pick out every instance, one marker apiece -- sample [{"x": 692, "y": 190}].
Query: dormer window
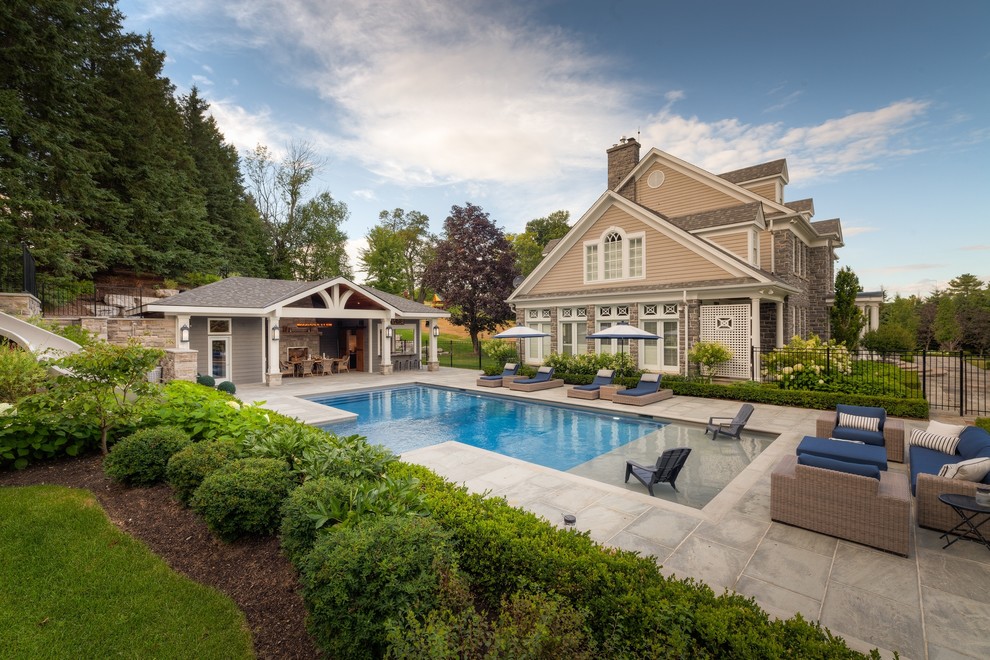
[{"x": 615, "y": 256}]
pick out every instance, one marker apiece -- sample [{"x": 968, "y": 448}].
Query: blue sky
[{"x": 881, "y": 109}]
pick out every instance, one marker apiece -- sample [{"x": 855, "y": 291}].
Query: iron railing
[
  {"x": 17, "y": 270},
  {"x": 951, "y": 381},
  {"x": 88, "y": 299}
]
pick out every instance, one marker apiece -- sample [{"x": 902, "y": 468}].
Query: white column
[
  {"x": 874, "y": 316},
  {"x": 780, "y": 323},
  {"x": 433, "y": 362},
  {"x": 754, "y": 335},
  {"x": 180, "y": 322},
  {"x": 418, "y": 341},
  {"x": 386, "y": 365},
  {"x": 274, "y": 351}
]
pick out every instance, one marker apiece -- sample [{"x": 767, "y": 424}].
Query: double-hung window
[{"x": 615, "y": 255}]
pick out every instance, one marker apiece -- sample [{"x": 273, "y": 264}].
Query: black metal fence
[
  {"x": 17, "y": 271},
  {"x": 951, "y": 381},
  {"x": 87, "y": 299}
]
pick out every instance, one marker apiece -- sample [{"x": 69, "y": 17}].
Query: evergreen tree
[
  {"x": 472, "y": 271},
  {"x": 232, "y": 215},
  {"x": 847, "y": 318},
  {"x": 947, "y": 330}
]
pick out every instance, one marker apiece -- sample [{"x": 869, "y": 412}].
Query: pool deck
[{"x": 932, "y": 604}]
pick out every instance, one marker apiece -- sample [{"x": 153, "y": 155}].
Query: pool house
[{"x": 251, "y": 330}]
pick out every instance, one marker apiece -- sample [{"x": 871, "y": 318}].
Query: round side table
[{"x": 967, "y": 509}]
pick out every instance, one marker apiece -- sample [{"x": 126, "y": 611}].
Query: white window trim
[
  {"x": 600, "y": 244},
  {"x": 209, "y": 323}
]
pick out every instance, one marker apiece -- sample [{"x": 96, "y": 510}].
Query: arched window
[{"x": 615, "y": 256}]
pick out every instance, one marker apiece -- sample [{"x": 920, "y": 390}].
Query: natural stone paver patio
[{"x": 933, "y": 604}]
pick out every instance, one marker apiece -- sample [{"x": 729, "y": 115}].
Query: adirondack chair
[
  {"x": 665, "y": 471},
  {"x": 730, "y": 427}
]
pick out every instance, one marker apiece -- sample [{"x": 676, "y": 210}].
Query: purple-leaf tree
[{"x": 472, "y": 271}]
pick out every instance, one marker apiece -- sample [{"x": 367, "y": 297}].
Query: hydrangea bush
[{"x": 807, "y": 364}]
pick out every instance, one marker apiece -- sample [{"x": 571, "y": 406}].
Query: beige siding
[
  {"x": 737, "y": 243},
  {"x": 679, "y": 194},
  {"x": 766, "y": 189},
  {"x": 667, "y": 262},
  {"x": 766, "y": 251}
]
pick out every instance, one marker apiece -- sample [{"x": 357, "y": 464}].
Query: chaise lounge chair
[
  {"x": 509, "y": 374},
  {"x": 592, "y": 391},
  {"x": 647, "y": 391},
  {"x": 543, "y": 380},
  {"x": 665, "y": 471},
  {"x": 729, "y": 427}
]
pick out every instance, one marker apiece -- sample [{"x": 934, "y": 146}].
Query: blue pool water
[{"x": 410, "y": 417}]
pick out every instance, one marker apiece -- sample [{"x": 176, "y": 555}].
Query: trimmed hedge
[
  {"x": 140, "y": 458},
  {"x": 187, "y": 469},
  {"x": 632, "y": 610},
  {"x": 359, "y": 577},
  {"x": 753, "y": 393},
  {"x": 983, "y": 423},
  {"x": 298, "y": 530},
  {"x": 243, "y": 497}
]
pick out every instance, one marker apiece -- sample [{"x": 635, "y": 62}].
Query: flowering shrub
[
  {"x": 808, "y": 364},
  {"x": 500, "y": 351},
  {"x": 709, "y": 355}
]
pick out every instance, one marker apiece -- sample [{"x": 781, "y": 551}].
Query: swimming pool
[
  {"x": 414, "y": 416},
  {"x": 589, "y": 444}
]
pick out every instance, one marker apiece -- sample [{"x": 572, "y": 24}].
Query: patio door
[
  {"x": 659, "y": 354},
  {"x": 220, "y": 358}
]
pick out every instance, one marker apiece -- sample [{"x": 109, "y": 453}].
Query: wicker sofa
[
  {"x": 875, "y": 512},
  {"x": 890, "y": 436},
  {"x": 927, "y": 485}
]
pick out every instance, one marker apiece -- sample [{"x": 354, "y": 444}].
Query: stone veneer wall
[
  {"x": 633, "y": 346},
  {"x": 622, "y": 158},
  {"x": 152, "y": 333},
  {"x": 821, "y": 270},
  {"x": 179, "y": 364},
  {"x": 590, "y": 311},
  {"x": 768, "y": 325},
  {"x": 20, "y": 304},
  {"x": 783, "y": 247},
  {"x": 693, "y": 335}
]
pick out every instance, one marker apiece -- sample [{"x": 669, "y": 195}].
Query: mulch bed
[{"x": 252, "y": 572}]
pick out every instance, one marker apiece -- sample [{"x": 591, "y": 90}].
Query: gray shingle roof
[
  {"x": 551, "y": 244},
  {"x": 258, "y": 293},
  {"x": 801, "y": 205},
  {"x": 825, "y": 227},
  {"x": 761, "y": 171},
  {"x": 717, "y": 217}
]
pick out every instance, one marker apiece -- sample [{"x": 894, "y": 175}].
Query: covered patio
[{"x": 251, "y": 331}]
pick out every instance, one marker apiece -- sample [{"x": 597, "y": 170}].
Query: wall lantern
[
  {"x": 275, "y": 332},
  {"x": 184, "y": 334},
  {"x": 436, "y": 331},
  {"x": 388, "y": 332}
]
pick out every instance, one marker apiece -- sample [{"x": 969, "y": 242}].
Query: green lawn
[{"x": 74, "y": 586}]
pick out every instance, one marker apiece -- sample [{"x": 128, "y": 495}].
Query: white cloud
[
  {"x": 208, "y": 69},
  {"x": 975, "y": 247},
  {"x": 365, "y": 194},
  {"x": 201, "y": 81},
  {"x": 245, "y": 129},
  {"x": 353, "y": 249},
  {"x": 850, "y": 231}
]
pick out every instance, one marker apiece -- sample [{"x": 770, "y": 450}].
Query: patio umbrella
[
  {"x": 622, "y": 331},
  {"x": 520, "y": 332}
]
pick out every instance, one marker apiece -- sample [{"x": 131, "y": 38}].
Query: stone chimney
[{"x": 622, "y": 158}]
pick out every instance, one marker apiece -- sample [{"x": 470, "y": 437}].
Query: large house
[{"x": 688, "y": 255}]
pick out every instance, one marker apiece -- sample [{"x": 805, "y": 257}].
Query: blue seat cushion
[
  {"x": 491, "y": 378},
  {"x": 862, "y": 411},
  {"x": 869, "y": 437},
  {"x": 588, "y": 388},
  {"x": 638, "y": 391},
  {"x": 844, "y": 451},
  {"x": 972, "y": 441},
  {"x": 927, "y": 460},
  {"x": 839, "y": 466}
]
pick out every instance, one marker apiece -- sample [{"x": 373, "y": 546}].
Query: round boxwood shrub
[
  {"x": 360, "y": 576},
  {"x": 187, "y": 468},
  {"x": 140, "y": 458},
  {"x": 243, "y": 497},
  {"x": 298, "y": 530},
  {"x": 227, "y": 386},
  {"x": 206, "y": 379}
]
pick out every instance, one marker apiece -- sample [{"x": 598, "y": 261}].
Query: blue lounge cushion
[
  {"x": 844, "y": 451},
  {"x": 543, "y": 374},
  {"x": 839, "y": 466},
  {"x": 927, "y": 460},
  {"x": 648, "y": 384},
  {"x": 490, "y": 378},
  {"x": 972, "y": 441},
  {"x": 869, "y": 437},
  {"x": 603, "y": 377},
  {"x": 862, "y": 411}
]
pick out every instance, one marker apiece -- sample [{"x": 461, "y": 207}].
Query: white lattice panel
[{"x": 729, "y": 325}]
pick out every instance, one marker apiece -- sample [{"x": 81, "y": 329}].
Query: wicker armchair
[
  {"x": 893, "y": 434},
  {"x": 874, "y": 512}
]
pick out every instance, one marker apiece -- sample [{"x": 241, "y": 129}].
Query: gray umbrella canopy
[
  {"x": 520, "y": 332},
  {"x": 622, "y": 331}
]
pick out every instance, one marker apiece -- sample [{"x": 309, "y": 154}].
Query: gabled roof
[
  {"x": 832, "y": 227},
  {"x": 802, "y": 205},
  {"x": 730, "y": 262},
  {"x": 731, "y": 215},
  {"x": 257, "y": 295},
  {"x": 756, "y": 172},
  {"x": 548, "y": 248}
]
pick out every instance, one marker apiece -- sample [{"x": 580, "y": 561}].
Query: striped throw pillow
[
  {"x": 972, "y": 470},
  {"x": 943, "y": 443},
  {"x": 856, "y": 422}
]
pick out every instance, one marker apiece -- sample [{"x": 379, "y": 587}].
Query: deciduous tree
[
  {"x": 472, "y": 271},
  {"x": 847, "y": 318}
]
